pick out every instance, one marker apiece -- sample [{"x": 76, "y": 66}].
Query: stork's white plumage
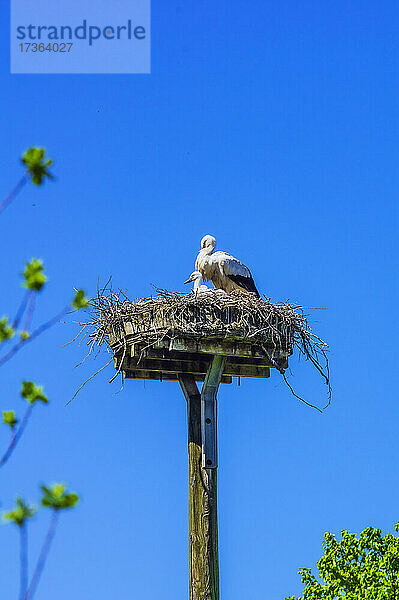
[
  {"x": 197, "y": 278},
  {"x": 222, "y": 269}
]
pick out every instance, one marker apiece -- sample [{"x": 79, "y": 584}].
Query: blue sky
[{"x": 274, "y": 127}]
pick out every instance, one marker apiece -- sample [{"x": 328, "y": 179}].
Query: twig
[
  {"x": 34, "y": 335},
  {"x": 31, "y": 308},
  {"x": 76, "y": 336},
  {"x": 16, "y": 436},
  {"x": 43, "y": 556},
  {"x": 299, "y": 397},
  {"x": 14, "y": 193},
  {"x": 21, "y": 309},
  {"x": 87, "y": 380},
  {"x": 23, "y": 557}
]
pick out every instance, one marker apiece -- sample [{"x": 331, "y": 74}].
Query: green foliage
[
  {"x": 24, "y": 336},
  {"x": 57, "y": 498},
  {"x": 9, "y": 418},
  {"x": 80, "y": 300},
  {"x": 32, "y": 393},
  {"x": 33, "y": 275},
  {"x": 36, "y": 165},
  {"x": 6, "y": 331},
  {"x": 363, "y": 568},
  {"x": 20, "y": 513}
]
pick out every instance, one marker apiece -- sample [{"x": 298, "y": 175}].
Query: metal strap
[{"x": 209, "y": 412}]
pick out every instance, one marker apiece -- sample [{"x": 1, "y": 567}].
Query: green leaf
[
  {"x": 20, "y": 513},
  {"x": 36, "y": 165},
  {"x": 33, "y": 393},
  {"x": 80, "y": 300},
  {"x": 33, "y": 275},
  {"x": 362, "y": 567},
  {"x": 55, "y": 496},
  {"x": 6, "y": 331},
  {"x": 9, "y": 418},
  {"x": 25, "y": 335}
]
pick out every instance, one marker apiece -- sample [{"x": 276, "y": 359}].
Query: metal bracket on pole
[{"x": 209, "y": 412}]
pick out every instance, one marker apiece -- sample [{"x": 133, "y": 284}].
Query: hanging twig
[
  {"x": 87, "y": 380},
  {"x": 299, "y": 397}
]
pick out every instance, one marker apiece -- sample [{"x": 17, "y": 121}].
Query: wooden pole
[{"x": 203, "y": 525}]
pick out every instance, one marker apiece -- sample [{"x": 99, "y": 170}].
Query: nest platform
[{"x": 171, "y": 334}]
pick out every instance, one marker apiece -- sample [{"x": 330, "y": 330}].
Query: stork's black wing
[
  {"x": 247, "y": 283},
  {"x": 239, "y": 274}
]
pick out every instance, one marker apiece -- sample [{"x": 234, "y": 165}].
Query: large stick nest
[{"x": 275, "y": 328}]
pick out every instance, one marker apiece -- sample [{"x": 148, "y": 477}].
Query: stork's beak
[{"x": 190, "y": 279}]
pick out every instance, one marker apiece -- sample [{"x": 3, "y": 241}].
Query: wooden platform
[{"x": 168, "y": 359}]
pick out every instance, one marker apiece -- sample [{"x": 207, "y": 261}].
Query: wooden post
[{"x": 203, "y": 526}]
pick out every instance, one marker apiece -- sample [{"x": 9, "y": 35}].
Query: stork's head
[
  {"x": 195, "y": 275},
  {"x": 208, "y": 243}
]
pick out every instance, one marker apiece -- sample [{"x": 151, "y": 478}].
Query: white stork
[
  {"x": 197, "y": 278},
  {"x": 222, "y": 269}
]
